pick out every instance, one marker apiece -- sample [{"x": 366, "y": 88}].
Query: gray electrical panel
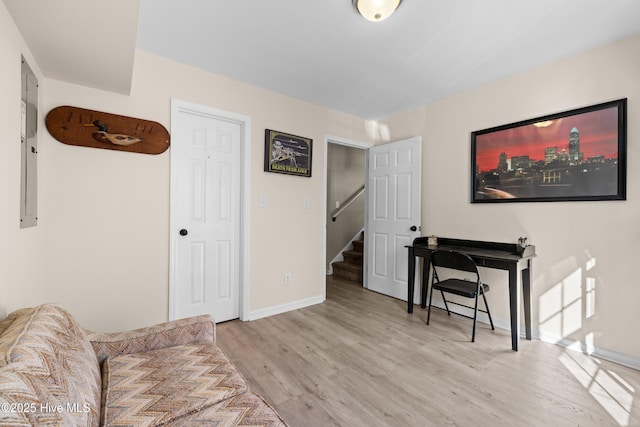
[{"x": 29, "y": 143}]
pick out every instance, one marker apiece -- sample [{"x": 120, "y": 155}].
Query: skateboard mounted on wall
[{"x": 89, "y": 128}]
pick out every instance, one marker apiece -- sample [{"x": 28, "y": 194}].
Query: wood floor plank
[{"x": 360, "y": 360}]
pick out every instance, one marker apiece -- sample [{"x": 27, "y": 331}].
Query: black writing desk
[{"x": 502, "y": 256}]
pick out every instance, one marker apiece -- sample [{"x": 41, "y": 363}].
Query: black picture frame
[
  {"x": 544, "y": 159},
  {"x": 287, "y": 154}
]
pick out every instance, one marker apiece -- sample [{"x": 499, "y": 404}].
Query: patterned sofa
[{"x": 54, "y": 373}]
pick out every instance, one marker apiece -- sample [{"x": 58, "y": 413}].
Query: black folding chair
[{"x": 458, "y": 285}]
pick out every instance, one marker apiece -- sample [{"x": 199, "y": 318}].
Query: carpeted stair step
[
  {"x": 347, "y": 271},
  {"x": 351, "y": 268},
  {"x": 353, "y": 257}
]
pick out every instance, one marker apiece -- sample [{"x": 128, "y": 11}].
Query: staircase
[{"x": 351, "y": 268}]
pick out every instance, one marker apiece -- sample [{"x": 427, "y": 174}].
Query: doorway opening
[{"x": 345, "y": 195}]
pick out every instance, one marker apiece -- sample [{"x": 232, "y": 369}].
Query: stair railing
[{"x": 348, "y": 202}]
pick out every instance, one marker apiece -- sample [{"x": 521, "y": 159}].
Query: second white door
[{"x": 393, "y": 213}]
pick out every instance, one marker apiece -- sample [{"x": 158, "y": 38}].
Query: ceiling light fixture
[
  {"x": 544, "y": 124},
  {"x": 376, "y": 10}
]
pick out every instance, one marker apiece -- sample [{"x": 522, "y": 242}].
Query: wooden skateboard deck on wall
[{"x": 89, "y": 128}]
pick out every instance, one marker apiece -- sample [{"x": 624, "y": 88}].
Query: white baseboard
[
  {"x": 597, "y": 352},
  {"x": 619, "y": 358},
  {"x": 283, "y": 308},
  {"x": 571, "y": 344}
]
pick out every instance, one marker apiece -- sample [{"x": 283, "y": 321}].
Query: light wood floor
[{"x": 360, "y": 360}]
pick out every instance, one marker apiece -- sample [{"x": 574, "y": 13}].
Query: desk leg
[
  {"x": 514, "y": 305},
  {"x": 410, "y": 280},
  {"x": 426, "y": 265},
  {"x": 526, "y": 299}
]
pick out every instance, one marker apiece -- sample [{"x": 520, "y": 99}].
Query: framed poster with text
[{"x": 286, "y": 153}]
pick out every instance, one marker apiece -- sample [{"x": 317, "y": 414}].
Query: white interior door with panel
[
  {"x": 205, "y": 214},
  {"x": 393, "y": 213}
]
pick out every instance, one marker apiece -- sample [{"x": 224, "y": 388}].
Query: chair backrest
[{"x": 453, "y": 260}]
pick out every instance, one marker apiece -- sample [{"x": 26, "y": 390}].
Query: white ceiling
[
  {"x": 321, "y": 51},
  {"x": 81, "y": 41}
]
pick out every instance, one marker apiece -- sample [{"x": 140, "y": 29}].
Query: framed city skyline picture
[{"x": 577, "y": 155}]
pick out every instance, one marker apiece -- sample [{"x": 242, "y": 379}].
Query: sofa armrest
[{"x": 176, "y": 332}]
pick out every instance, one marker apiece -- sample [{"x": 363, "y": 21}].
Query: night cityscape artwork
[{"x": 576, "y": 155}]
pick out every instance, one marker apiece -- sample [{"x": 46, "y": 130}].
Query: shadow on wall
[{"x": 563, "y": 310}]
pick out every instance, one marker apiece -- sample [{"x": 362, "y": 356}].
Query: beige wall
[
  {"x": 21, "y": 250},
  {"x": 108, "y": 212},
  {"x": 578, "y": 243},
  {"x": 101, "y": 246}
]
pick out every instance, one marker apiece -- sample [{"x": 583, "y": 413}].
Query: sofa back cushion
[{"x": 49, "y": 373}]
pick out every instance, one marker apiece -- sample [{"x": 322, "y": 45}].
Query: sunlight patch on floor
[
  {"x": 563, "y": 310},
  {"x": 613, "y": 393}
]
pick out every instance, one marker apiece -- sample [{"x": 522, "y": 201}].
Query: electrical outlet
[{"x": 287, "y": 279}]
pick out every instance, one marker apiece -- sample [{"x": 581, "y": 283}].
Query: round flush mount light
[
  {"x": 376, "y": 10},
  {"x": 543, "y": 124}
]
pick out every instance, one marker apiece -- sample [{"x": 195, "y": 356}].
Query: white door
[
  {"x": 205, "y": 216},
  {"x": 393, "y": 213}
]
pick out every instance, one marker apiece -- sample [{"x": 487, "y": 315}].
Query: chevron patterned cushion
[
  {"x": 181, "y": 331},
  {"x": 159, "y": 386},
  {"x": 169, "y": 374},
  {"x": 244, "y": 410},
  {"x": 49, "y": 373}
]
